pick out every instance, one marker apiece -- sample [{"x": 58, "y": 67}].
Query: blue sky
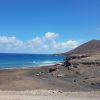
[{"x": 60, "y": 24}]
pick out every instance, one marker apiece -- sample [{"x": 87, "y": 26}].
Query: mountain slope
[{"x": 90, "y": 47}]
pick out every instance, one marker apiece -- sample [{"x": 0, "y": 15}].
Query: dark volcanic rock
[
  {"x": 52, "y": 70},
  {"x": 92, "y": 83}
]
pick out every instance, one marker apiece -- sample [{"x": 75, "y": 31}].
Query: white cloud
[
  {"x": 4, "y": 40},
  {"x": 36, "y": 41},
  {"x": 44, "y": 44},
  {"x": 70, "y": 44},
  {"x": 10, "y": 44},
  {"x": 50, "y": 35},
  {"x": 44, "y": 41}
]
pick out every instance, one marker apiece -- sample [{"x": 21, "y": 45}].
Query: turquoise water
[{"x": 28, "y": 60}]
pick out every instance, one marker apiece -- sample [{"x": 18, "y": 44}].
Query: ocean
[{"x": 12, "y": 61}]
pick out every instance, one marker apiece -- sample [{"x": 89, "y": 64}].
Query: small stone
[
  {"x": 74, "y": 80},
  {"x": 77, "y": 72},
  {"x": 75, "y": 66},
  {"x": 52, "y": 70},
  {"x": 37, "y": 75},
  {"x": 60, "y": 75},
  {"x": 92, "y": 84},
  {"x": 86, "y": 78},
  {"x": 60, "y": 91},
  {"x": 98, "y": 84}
]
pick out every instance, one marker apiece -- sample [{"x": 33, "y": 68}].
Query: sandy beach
[
  {"x": 48, "y": 95},
  {"x": 82, "y": 78}
]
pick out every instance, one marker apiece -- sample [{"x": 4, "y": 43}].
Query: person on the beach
[{"x": 67, "y": 63}]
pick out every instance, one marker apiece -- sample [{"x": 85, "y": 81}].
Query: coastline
[
  {"x": 36, "y": 67},
  {"x": 79, "y": 78},
  {"x": 79, "y": 81},
  {"x": 52, "y": 77}
]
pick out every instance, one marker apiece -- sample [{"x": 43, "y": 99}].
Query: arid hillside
[{"x": 90, "y": 47}]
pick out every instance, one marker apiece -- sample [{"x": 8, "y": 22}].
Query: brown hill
[{"x": 90, "y": 47}]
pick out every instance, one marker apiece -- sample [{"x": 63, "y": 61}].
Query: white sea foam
[
  {"x": 49, "y": 62},
  {"x": 34, "y": 62},
  {"x": 46, "y": 63}
]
